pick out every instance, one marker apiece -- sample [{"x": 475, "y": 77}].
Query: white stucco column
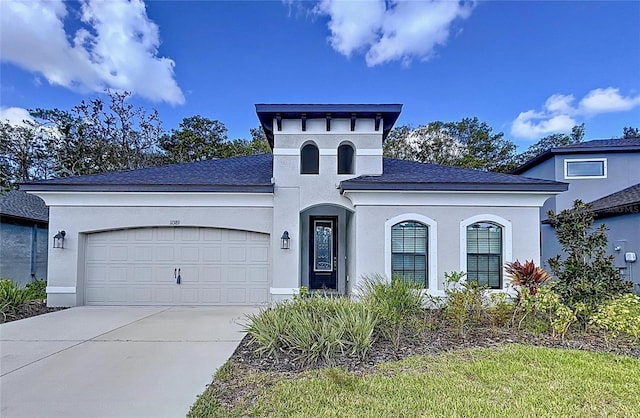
[{"x": 286, "y": 263}]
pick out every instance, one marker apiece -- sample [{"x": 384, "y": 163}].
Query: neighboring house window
[
  {"x": 484, "y": 254},
  {"x": 585, "y": 168},
  {"x": 309, "y": 159},
  {"x": 409, "y": 249},
  {"x": 345, "y": 159}
]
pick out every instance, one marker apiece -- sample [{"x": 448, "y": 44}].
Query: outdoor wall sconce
[
  {"x": 58, "y": 239},
  {"x": 285, "y": 241}
]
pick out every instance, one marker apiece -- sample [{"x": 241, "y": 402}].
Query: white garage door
[{"x": 141, "y": 266}]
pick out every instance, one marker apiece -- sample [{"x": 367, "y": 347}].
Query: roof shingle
[
  {"x": 247, "y": 174},
  {"x": 411, "y": 175},
  {"x": 253, "y": 174},
  {"x": 619, "y": 203},
  {"x": 18, "y": 204}
]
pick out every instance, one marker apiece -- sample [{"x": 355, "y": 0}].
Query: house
[
  {"x": 324, "y": 210},
  {"x": 23, "y": 237},
  {"x": 605, "y": 173}
]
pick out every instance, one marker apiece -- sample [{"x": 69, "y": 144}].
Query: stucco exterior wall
[
  {"x": 624, "y": 234},
  {"x": 298, "y": 196},
  {"x": 370, "y": 223},
  {"x": 16, "y": 251},
  {"x": 623, "y": 170},
  {"x": 66, "y": 266}
]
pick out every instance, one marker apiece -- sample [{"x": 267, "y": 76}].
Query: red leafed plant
[{"x": 527, "y": 275}]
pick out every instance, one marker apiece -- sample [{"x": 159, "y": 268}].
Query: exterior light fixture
[
  {"x": 58, "y": 239},
  {"x": 285, "y": 241}
]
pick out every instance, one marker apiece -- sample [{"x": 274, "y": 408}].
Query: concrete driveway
[{"x": 114, "y": 361}]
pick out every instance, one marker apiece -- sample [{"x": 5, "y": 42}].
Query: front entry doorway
[{"x": 323, "y": 252}]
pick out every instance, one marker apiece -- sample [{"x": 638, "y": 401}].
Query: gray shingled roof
[
  {"x": 18, "y": 204},
  {"x": 589, "y": 147},
  {"x": 410, "y": 175},
  {"x": 242, "y": 174},
  {"x": 253, "y": 174},
  {"x": 619, "y": 203}
]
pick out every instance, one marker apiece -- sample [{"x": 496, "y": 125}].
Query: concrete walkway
[{"x": 114, "y": 361}]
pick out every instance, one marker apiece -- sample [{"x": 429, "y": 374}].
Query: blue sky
[{"x": 528, "y": 69}]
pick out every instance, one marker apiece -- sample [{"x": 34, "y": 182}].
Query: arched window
[
  {"x": 345, "y": 159},
  {"x": 309, "y": 159},
  {"x": 484, "y": 254},
  {"x": 409, "y": 250}
]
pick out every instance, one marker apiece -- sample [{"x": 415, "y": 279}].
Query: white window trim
[
  {"x": 432, "y": 251},
  {"x": 507, "y": 242},
  {"x": 580, "y": 160}
]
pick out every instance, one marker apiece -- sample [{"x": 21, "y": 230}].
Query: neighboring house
[
  {"x": 605, "y": 173},
  {"x": 323, "y": 211},
  {"x": 23, "y": 237}
]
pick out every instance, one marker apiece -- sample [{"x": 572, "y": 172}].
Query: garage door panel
[
  {"x": 259, "y": 255},
  {"x": 257, "y": 295},
  {"x": 165, "y": 234},
  {"x": 143, "y": 274},
  {"x": 211, "y": 296},
  {"x": 236, "y": 274},
  {"x": 189, "y": 254},
  {"x": 116, "y": 274},
  {"x": 118, "y": 253},
  {"x": 143, "y": 253},
  {"x": 210, "y": 234},
  {"x": 217, "y": 267},
  {"x": 165, "y": 254},
  {"x": 258, "y": 275},
  {"x": 237, "y": 235},
  {"x": 142, "y": 295},
  {"x": 211, "y": 274},
  {"x": 190, "y": 234},
  {"x": 237, "y": 295},
  {"x": 237, "y": 254},
  {"x": 212, "y": 254}
]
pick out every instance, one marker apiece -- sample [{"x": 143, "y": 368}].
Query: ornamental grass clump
[
  {"x": 12, "y": 297},
  {"x": 313, "y": 328},
  {"x": 394, "y": 302}
]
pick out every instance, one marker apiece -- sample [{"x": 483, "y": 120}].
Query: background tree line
[{"x": 110, "y": 134}]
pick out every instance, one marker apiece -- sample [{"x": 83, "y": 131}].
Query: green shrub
[
  {"x": 36, "y": 290},
  {"x": 394, "y": 303},
  {"x": 620, "y": 315},
  {"x": 545, "y": 307},
  {"x": 500, "y": 309},
  {"x": 465, "y": 303},
  {"x": 313, "y": 328},
  {"x": 586, "y": 274},
  {"x": 11, "y": 297}
]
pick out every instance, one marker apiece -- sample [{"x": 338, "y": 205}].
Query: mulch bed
[
  {"x": 430, "y": 342},
  {"x": 29, "y": 309}
]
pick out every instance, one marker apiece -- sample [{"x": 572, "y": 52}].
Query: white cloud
[
  {"x": 15, "y": 115},
  {"x": 559, "y": 114},
  {"x": 607, "y": 100},
  {"x": 116, "y": 47},
  {"x": 532, "y": 124},
  {"x": 391, "y": 30}
]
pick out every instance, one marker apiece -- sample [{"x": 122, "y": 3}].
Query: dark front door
[{"x": 323, "y": 252}]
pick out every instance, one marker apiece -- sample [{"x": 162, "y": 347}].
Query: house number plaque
[{"x": 174, "y": 222}]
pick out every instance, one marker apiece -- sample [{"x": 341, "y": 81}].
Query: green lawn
[{"x": 513, "y": 380}]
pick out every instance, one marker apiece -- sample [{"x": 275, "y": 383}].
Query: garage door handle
[{"x": 176, "y": 274}]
